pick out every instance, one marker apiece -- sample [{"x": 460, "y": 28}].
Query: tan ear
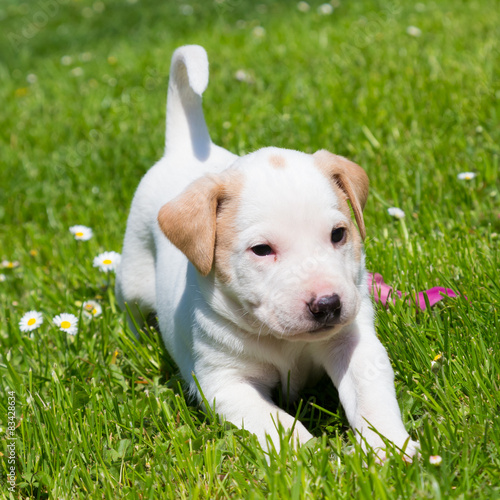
[
  {"x": 189, "y": 221},
  {"x": 349, "y": 177}
]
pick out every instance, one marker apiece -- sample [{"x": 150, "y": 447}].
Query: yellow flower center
[
  {"x": 107, "y": 261},
  {"x": 65, "y": 324},
  {"x": 31, "y": 321},
  {"x": 10, "y": 265},
  {"x": 79, "y": 234},
  {"x": 94, "y": 311},
  {"x": 88, "y": 307}
]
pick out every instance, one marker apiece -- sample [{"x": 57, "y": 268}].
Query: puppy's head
[{"x": 274, "y": 241}]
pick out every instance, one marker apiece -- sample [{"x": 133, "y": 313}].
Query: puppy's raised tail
[{"x": 186, "y": 128}]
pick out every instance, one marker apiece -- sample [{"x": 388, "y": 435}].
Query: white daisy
[
  {"x": 303, "y": 6},
  {"x": 92, "y": 309},
  {"x": 66, "y": 60},
  {"x": 396, "y": 212},
  {"x": 9, "y": 264},
  {"x": 325, "y": 10},
  {"x": 242, "y": 76},
  {"x": 67, "y": 323},
  {"x": 259, "y": 32},
  {"x": 186, "y": 10},
  {"x": 3, "y": 277},
  {"x": 435, "y": 459},
  {"x": 107, "y": 261},
  {"x": 466, "y": 176},
  {"x": 82, "y": 233},
  {"x": 30, "y": 321},
  {"x": 413, "y": 31}
]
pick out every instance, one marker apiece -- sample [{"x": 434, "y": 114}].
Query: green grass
[{"x": 102, "y": 415}]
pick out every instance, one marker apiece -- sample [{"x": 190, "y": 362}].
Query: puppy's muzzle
[{"x": 326, "y": 309}]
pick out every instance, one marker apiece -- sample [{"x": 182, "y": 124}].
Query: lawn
[{"x": 410, "y": 91}]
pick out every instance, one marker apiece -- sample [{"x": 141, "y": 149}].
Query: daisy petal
[
  {"x": 91, "y": 308},
  {"x": 30, "y": 321},
  {"x": 107, "y": 261},
  {"x": 82, "y": 233},
  {"x": 396, "y": 212},
  {"x": 466, "y": 176},
  {"x": 67, "y": 323}
]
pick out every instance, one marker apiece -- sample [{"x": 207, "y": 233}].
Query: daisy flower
[
  {"x": 3, "y": 277},
  {"x": 413, "y": 31},
  {"x": 466, "y": 176},
  {"x": 435, "y": 459},
  {"x": 107, "y": 261},
  {"x": 67, "y": 323},
  {"x": 325, "y": 9},
  {"x": 82, "y": 233},
  {"x": 66, "y": 60},
  {"x": 186, "y": 10},
  {"x": 30, "y": 321},
  {"x": 91, "y": 308},
  {"x": 242, "y": 76},
  {"x": 259, "y": 32},
  {"x": 9, "y": 264},
  {"x": 303, "y": 6},
  {"x": 396, "y": 212}
]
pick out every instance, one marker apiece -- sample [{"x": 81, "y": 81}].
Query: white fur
[{"x": 244, "y": 336}]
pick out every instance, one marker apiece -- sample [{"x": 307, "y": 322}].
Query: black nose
[{"x": 326, "y": 309}]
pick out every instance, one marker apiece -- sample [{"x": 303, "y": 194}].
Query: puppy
[{"x": 256, "y": 271}]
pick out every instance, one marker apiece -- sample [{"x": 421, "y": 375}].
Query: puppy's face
[{"x": 274, "y": 237}]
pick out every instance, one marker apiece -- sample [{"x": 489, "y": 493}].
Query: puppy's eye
[
  {"x": 338, "y": 234},
  {"x": 262, "y": 250}
]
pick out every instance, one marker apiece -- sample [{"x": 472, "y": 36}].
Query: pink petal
[{"x": 383, "y": 292}]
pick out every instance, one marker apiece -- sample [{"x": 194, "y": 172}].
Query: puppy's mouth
[
  {"x": 323, "y": 328},
  {"x": 319, "y": 319},
  {"x": 319, "y": 330}
]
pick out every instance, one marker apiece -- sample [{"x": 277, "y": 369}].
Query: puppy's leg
[
  {"x": 249, "y": 406},
  {"x": 359, "y": 367},
  {"x": 135, "y": 279}
]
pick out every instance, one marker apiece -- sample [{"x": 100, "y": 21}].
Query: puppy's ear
[
  {"x": 189, "y": 221},
  {"x": 349, "y": 177}
]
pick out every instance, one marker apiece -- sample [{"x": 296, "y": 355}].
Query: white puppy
[{"x": 256, "y": 272}]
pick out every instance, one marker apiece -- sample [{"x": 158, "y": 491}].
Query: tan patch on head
[
  {"x": 357, "y": 242},
  {"x": 190, "y": 221},
  {"x": 347, "y": 177},
  {"x": 277, "y": 161},
  {"x": 227, "y": 226},
  {"x": 352, "y": 232}
]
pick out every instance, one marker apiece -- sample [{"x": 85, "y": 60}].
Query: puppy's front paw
[
  {"x": 411, "y": 450},
  {"x": 301, "y": 435},
  {"x": 296, "y": 439},
  {"x": 405, "y": 446}
]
